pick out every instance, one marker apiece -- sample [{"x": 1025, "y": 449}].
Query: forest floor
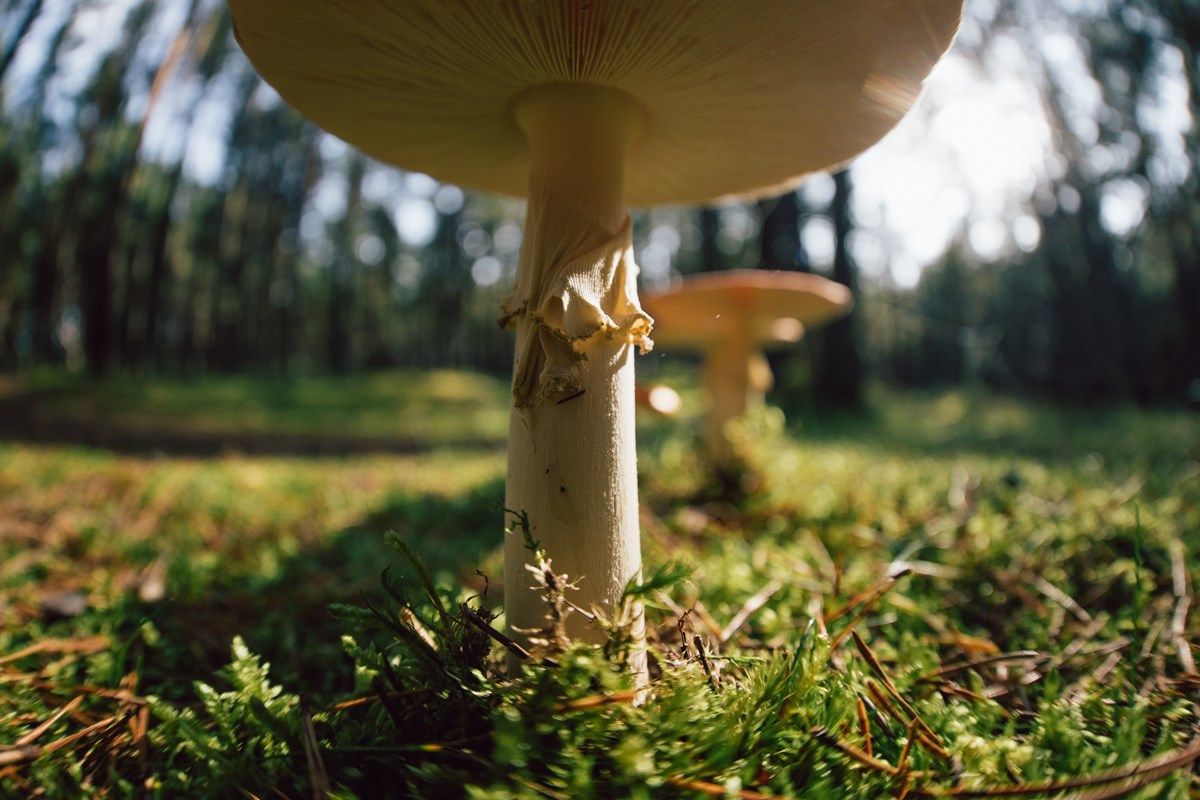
[{"x": 953, "y": 595}]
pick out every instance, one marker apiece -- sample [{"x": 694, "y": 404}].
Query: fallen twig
[
  {"x": 1158, "y": 767},
  {"x": 754, "y": 603}
]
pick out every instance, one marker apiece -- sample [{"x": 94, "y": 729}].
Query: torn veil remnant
[
  {"x": 586, "y": 107},
  {"x": 576, "y": 280}
]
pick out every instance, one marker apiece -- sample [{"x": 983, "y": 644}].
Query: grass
[
  {"x": 396, "y": 409},
  {"x": 955, "y": 593}
]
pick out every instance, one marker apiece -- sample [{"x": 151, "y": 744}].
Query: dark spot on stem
[{"x": 569, "y": 398}]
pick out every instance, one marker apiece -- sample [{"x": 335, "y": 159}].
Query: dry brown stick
[
  {"x": 902, "y": 761},
  {"x": 864, "y": 725},
  {"x": 925, "y": 735},
  {"x": 598, "y": 700},
  {"x": 1183, "y": 603},
  {"x": 872, "y": 661},
  {"x": 85, "y": 645},
  {"x": 33, "y": 735},
  {"x": 716, "y": 789},
  {"x": 95, "y": 727},
  {"x": 866, "y": 595},
  {"x": 367, "y": 700},
  {"x": 1122, "y": 788},
  {"x": 877, "y": 668},
  {"x": 865, "y": 609},
  {"x": 19, "y": 755},
  {"x": 496, "y": 635},
  {"x": 1062, "y": 598},
  {"x": 959, "y": 666},
  {"x": 318, "y": 778},
  {"x": 1075, "y": 691},
  {"x": 815, "y": 612},
  {"x": 881, "y": 700},
  {"x": 1160, "y": 765},
  {"x": 949, "y": 687},
  {"x": 12, "y": 773},
  {"x": 753, "y": 604},
  {"x": 970, "y": 644},
  {"x": 826, "y": 738},
  {"x": 33, "y": 752},
  {"x": 1068, "y": 652},
  {"x": 820, "y": 554},
  {"x": 698, "y": 643}
]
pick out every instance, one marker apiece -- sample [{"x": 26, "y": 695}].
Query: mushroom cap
[
  {"x": 736, "y": 98},
  {"x": 771, "y": 307}
]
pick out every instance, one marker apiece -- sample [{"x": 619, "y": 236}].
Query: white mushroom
[{"x": 583, "y": 107}]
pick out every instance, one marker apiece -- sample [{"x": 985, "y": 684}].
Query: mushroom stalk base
[
  {"x": 736, "y": 376},
  {"x": 572, "y": 462}
]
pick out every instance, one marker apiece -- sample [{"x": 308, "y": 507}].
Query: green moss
[{"x": 1023, "y": 527}]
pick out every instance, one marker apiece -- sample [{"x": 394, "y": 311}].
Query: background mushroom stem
[
  {"x": 736, "y": 378},
  {"x": 572, "y": 462}
]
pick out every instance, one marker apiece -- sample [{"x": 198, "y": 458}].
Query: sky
[{"x": 965, "y": 165}]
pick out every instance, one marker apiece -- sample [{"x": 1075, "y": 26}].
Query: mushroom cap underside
[
  {"x": 736, "y": 98},
  {"x": 768, "y": 307}
]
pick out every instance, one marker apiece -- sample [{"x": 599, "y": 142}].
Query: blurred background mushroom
[
  {"x": 731, "y": 317},
  {"x": 659, "y": 398}
]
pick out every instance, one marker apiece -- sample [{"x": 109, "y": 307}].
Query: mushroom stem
[
  {"x": 736, "y": 376},
  {"x": 572, "y": 463}
]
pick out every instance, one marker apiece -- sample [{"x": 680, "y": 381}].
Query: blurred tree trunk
[
  {"x": 226, "y": 346},
  {"x": 1093, "y": 306},
  {"x": 710, "y": 230},
  {"x": 378, "y": 294},
  {"x": 209, "y": 50},
  {"x": 445, "y": 285},
  {"x": 110, "y": 154},
  {"x": 19, "y": 31},
  {"x": 296, "y": 186},
  {"x": 159, "y": 233},
  {"x": 779, "y": 249},
  {"x": 203, "y": 244},
  {"x": 1183, "y": 19},
  {"x": 96, "y": 244},
  {"x": 341, "y": 268},
  {"x": 44, "y": 288},
  {"x": 48, "y": 208},
  {"x": 240, "y": 184},
  {"x": 838, "y": 376},
  {"x": 779, "y": 237}
]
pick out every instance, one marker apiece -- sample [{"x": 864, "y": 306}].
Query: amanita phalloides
[{"x": 586, "y": 107}]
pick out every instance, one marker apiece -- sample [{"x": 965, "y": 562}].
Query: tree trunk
[
  {"x": 710, "y": 229},
  {"x": 838, "y": 379},
  {"x": 20, "y": 30},
  {"x": 779, "y": 238}
]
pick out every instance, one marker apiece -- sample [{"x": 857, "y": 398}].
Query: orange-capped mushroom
[{"x": 732, "y": 317}]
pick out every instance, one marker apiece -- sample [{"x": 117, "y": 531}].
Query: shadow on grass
[
  {"x": 388, "y": 412},
  {"x": 286, "y": 618},
  {"x": 22, "y": 421},
  {"x": 959, "y": 423}
]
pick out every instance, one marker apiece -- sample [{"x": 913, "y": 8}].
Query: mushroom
[
  {"x": 731, "y": 317},
  {"x": 586, "y": 107}
]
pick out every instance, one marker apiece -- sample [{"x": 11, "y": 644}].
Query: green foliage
[
  {"x": 1004, "y": 514},
  {"x": 245, "y": 736}
]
